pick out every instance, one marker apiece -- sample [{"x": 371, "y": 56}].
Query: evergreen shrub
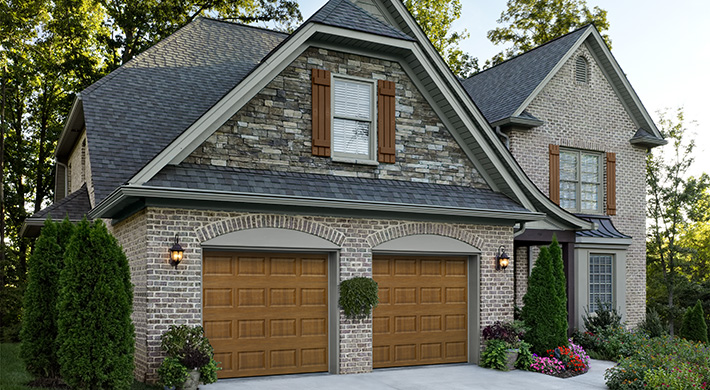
[
  {"x": 38, "y": 336},
  {"x": 358, "y": 297},
  {"x": 96, "y": 335},
  {"x": 694, "y": 327}
]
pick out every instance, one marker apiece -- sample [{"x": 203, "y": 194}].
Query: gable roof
[
  {"x": 137, "y": 110},
  {"x": 418, "y": 57},
  {"x": 505, "y": 90},
  {"x": 343, "y": 13},
  {"x": 499, "y": 91},
  {"x": 74, "y": 206}
]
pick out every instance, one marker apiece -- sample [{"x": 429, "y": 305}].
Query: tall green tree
[
  {"x": 558, "y": 268},
  {"x": 436, "y": 18},
  {"x": 531, "y": 23},
  {"x": 39, "y": 322},
  {"x": 95, "y": 332},
  {"x": 543, "y": 308},
  {"x": 694, "y": 327},
  {"x": 50, "y": 51},
  {"x": 671, "y": 196}
]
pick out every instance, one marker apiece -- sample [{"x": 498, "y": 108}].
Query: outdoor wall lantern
[
  {"x": 176, "y": 253},
  {"x": 502, "y": 259}
]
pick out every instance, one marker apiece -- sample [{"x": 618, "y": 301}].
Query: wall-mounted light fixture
[
  {"x": 176, "y": 252},
  {"x": 502, "y": 259}
]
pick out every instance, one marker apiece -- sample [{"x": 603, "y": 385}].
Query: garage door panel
[
  {"x": 266, "y": 314},
  {"x": 421, "y": 318}
]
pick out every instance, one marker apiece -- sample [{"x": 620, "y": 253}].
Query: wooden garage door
[
  {"x": 421, "y": 317},
  {"x": 266, "y": 314}
]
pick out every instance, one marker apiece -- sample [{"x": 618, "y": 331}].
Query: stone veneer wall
[
  {"x": 273, "y": 130},
  {"x": 174, "y": 296},
  {"x": 590, "y": 116},
  {"x": 132, "y": 235}
]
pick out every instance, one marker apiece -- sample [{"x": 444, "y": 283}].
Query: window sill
[{"x": 348, "y": 160}]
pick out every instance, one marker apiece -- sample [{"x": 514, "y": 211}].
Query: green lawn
[{"x": 14, "y": 377}]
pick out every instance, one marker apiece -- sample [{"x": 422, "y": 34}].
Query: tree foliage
[
  {"x": 39, "y": 322},
  {"x": 51, "y": 50},
  {"x": 531, "y": 23},
  {"x": 672, "y": 196},
  {"x": 694, "y": 327},
  {"x": 543, "y": 309},
  {"x": 95, "y": 302},
  {"x": 436, "y": 18}
]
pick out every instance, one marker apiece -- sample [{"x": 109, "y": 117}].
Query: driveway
[{"x": 449, "y": 377}]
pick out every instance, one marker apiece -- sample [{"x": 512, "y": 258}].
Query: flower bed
[
  {"x": 661, "y": 363},
  {"x": 562, "y": 362}
]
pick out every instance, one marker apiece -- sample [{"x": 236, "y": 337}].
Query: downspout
[
  {"x": 505, "y": 137},
  {"x": 520, "y": 231}
]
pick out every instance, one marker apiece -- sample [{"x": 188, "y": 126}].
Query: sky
[{"x": 662, "y": 46}]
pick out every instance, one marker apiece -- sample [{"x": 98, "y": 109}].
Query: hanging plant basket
[{"x": 358, "y": 297}]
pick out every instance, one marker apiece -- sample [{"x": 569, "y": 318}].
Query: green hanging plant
[{"x": 358, "y": 297}]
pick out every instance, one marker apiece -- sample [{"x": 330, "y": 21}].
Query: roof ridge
[
  {"x": 239, "y": 24},
  {"x": 530, "y": 51},
  {"x": 322, "y": 16}
]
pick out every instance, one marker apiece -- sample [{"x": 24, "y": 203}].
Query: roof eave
[
  {"x": 72, "y": 127},
  {"x": 518, "y": 122},
  {"x": 648, "y": 141},
  {"x": 123, "y": 196}
]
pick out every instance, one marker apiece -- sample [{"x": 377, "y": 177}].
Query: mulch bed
[{"x": 569, "y": 374}]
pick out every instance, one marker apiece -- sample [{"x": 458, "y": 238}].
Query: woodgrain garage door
[
  {"x": 266, "y": 313},
  {"x": 421, "y": 317}
]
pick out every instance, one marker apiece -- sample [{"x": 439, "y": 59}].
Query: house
[{"x": 286, "y": 163}]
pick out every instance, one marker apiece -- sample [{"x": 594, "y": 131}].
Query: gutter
[{"x": 114, "y": 201}]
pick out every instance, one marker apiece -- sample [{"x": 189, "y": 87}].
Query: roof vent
[{"x": 580, "y": 70}]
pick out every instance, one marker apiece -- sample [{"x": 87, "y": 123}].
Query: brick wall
[
  {"x": 273, "y": 130},
  {"x": 174, "y": 296},
  {"x": 591, "y": 116},
  {"x": 131, "y": 234}
]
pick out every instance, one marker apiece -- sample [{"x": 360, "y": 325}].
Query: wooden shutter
[
  {"x": 611, "y": 183},
  {"x": 555, "y": 173},
  {"x": 320, "y": 115},
  {"x": 385, "y": 122}
]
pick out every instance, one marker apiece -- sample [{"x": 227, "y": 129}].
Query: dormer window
[{"x": 581, "y": 70}]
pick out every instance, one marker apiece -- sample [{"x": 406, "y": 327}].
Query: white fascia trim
[
  {"x": 280, "y": 200},
  {"x": 71, "y": 118},
  {"x": 553, "y": 72},
  {"x": 456, "y": 85},
  {"x": 603, "y": 241}
]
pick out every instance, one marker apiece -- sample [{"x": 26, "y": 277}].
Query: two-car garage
[{"x": 267, "y": 313}]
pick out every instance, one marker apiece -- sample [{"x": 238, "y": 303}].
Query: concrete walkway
[{"x": 449, "y": 377}]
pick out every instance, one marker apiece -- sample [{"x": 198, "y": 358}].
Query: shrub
[
  {"x": 525, "y": 357},
  {"x": 604, "y": 317},
  {"x": 186, "y": 348},
  {"x": 39, "y": 321},
  {"x": 653, "y": 324},
  {"x": 509, "y": 332},
  {"x": 95, "y": 300},
  {"x": 495, "y": 355},
  {"x": 678, "y": 378},
  {"x": 543, "y": 309},
  {"x": 358, "y": 297},
  {"x": 558, "y": 270},
  {"x": 694, "y": 327},
  {"x": 645, "y": 358}
]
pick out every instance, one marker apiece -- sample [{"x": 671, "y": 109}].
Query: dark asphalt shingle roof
[
  {"x": 343, "y": 13},
  {"x": 501, "y": 90},
  {"x": 133, "y": 113},
  {"x": 75, "y": 206},
  {"x": 306, "y": 185},
  {"x": 605, "y": 228}
]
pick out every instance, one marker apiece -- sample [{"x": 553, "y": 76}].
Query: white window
[
  {"x": 353, "y": 128},
  {"x": 601, "y": 280},
  {"x": 580, "y": 181}
]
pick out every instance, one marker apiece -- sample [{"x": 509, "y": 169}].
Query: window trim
[
  {"x": 600, "y": 180},
  {"x": 589, "y": 280},
  {"x": 371, "y": 158}
]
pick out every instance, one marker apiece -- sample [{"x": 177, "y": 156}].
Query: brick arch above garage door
[
  {"x": 255, "y": 221},
  {"x": 424, "y": 228}
]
